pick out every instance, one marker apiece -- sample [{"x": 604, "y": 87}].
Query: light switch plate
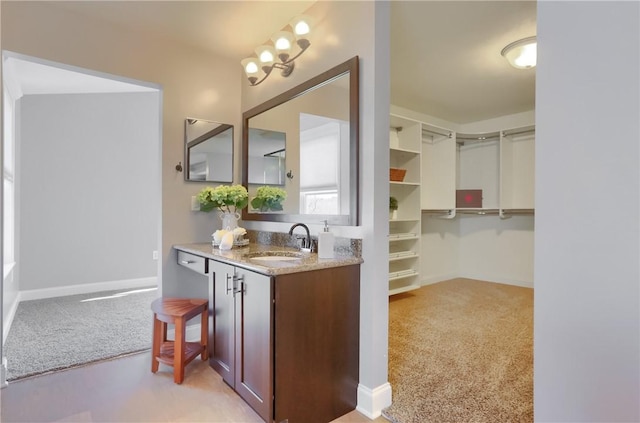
[{"x": 195, "y": 205}]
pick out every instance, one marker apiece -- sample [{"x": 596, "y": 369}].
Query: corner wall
[
  {"x": 587, "y": 242},
  {"x": 344, "y": 30}
]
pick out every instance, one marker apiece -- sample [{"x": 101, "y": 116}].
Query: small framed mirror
[{"x": 208, "y": 151}]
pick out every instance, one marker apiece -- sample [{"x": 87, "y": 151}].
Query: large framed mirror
[
  {"x": 306, "y": 141},
  {"x": 208, "y": 152}
]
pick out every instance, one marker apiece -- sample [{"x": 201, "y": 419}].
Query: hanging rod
[
  {"x": 485, "y": 137},
  {"x": 519, "y": 131},
  {"x": 429, "y": 131}
]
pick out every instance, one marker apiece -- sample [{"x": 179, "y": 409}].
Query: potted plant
[
  {"x": 393, "y": 208},
  {"x": 229, "y": 200},
  {"x": 269, "y": 198}
]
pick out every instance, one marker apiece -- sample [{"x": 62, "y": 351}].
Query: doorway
[{"x": 82, "y": 150}]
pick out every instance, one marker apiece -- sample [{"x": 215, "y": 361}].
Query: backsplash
[{"x": 342, "y": 246}]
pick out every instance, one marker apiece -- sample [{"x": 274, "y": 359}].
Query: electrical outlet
[
  {"x": 195, "y": 204},
  {"x": 155, "y": 255}
]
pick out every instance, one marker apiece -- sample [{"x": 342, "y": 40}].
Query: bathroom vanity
[{"x": 283, "y": 328}]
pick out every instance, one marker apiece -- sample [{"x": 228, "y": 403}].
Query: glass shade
[
  {"x": 250, "y": 65},
  {"x": 282, "y": 41},
  {"x": 301, "y": 26},
  {"x": 266, "y": 56},
  {"x": 521, "y": 54}
]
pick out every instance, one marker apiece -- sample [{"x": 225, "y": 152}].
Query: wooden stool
[{"x": 178, "y": 353}]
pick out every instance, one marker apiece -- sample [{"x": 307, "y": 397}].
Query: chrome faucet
[{"x": 306, "y": 242}]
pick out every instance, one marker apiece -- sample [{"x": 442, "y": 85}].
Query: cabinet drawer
[{"x": 193, "y": 262}]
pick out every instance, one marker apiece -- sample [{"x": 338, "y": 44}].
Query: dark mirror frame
[
  {"x": 188, "y": 144},
  {"x": 350, "y": 67}
]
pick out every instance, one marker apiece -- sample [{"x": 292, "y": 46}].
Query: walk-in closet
[{"x": 461, "y": 200}]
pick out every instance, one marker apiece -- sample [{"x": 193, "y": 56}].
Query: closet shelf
[
  {"x": 417, "y": 219},
  {"x": 415, "y": 184},
  {"x": 402, "y": 237},
  {"x": 403, "y": 150},
  {"x": 402, "y": 256},
  {"x": 394, "y": 276},
  {"x": 402, "y": 289}
]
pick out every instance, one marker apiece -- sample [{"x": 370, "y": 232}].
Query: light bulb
[
  {"x": 301, "y": 26},
  {"x": 250, "y": 66},
  {"x": 527, "y": 56},
  {"x": 521, "y": 54}
]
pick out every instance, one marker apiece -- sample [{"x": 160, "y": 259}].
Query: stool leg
[
  {"x": 157, "y": 335},
  {"x": 204, "y": 334},
  {"x": 179, "y": 351}
]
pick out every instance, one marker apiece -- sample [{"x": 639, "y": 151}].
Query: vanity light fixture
[
  {"x": 521, "y": 54},
  {"x": 278, "y": 53}
]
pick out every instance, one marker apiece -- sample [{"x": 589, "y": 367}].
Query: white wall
[
  {"x": 587, "y": 296},
  {"x": 88, "y": 168},
  {"x": 346, "y": 29},
  {"x": 194, "y": 83}
]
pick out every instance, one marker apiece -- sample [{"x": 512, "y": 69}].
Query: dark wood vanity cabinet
[
  {"x": 241, "y": 335},
  {"x": 288, "y": 344}
]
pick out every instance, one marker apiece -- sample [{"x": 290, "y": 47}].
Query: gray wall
[
  {"x": 88, "y": 193},
  {"x": 587, "y": 291}
]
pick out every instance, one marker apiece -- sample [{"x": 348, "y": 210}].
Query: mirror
[
  {"x": 208, "y": 151},
  {"x": 317, "y": 125},
  {"x": 266, "y": 156}
]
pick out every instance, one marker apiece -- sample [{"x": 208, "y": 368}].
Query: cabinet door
[
  {"x": 222, "y": 320},
  {"x": 254, "y": 356}
]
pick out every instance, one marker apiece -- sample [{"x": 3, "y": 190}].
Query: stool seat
[{"x": 178, "y": 353}]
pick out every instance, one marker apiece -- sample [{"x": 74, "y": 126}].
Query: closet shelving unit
[
  {"x": 405, "y": 229},
  {"x": 500, "y": 163}
]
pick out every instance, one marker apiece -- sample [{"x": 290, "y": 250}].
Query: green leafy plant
[
  {"x": 224, "y": 198},
  {"x": 393, "y": 203},
  {"x": 269, "y": 198}
]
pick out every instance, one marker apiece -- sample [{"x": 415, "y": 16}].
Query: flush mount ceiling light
[
  {"x": 277, "y": 54},
  {"x": 521, "y": 54}
]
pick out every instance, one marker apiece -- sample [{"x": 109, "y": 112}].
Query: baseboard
[
  {"x": 488, "y": 278},
  {"x": 371, "y": 402},
  {"x": 494, "y": 279},
  {"x": 3, "y": 373},
  {"x": 6, "y": 323},
  {"x": 61, "y": 291},
  {"x": 435, "y": 279}
]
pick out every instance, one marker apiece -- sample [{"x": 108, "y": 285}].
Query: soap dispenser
[{"x": 325, "y": 242}]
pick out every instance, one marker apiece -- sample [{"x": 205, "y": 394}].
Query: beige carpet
[{"x": 461, "y": 351}]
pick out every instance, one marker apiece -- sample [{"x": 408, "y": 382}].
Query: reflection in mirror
[
  {"x": 266, "y": 156},
  {"x": 208, "y": 151},
  {"x": 317, "y": 123}
]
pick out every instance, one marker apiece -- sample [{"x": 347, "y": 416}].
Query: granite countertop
[{"x": 237, "y": 256}]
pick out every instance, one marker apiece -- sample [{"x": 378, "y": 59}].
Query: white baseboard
[
  {"x": 371, "y": 402},
  {"x": 3, "y": 373},
  {"x": 489, "y": 278},
  {"x": 439, "y": 278},
  {"x": 494, "y": 279},
  {"x": 61, "y": 291},
  {"x": 6, "y": 323}
]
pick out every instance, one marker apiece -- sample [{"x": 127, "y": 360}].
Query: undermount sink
[{"x": 274, "y": 256}]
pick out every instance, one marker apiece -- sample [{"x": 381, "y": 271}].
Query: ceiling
[{"x": 445, "y": 56}]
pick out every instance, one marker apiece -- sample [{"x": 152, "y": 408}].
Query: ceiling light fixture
[
  {"x": 521, "y": 54},
  {"x": 278, "y": 53}
]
